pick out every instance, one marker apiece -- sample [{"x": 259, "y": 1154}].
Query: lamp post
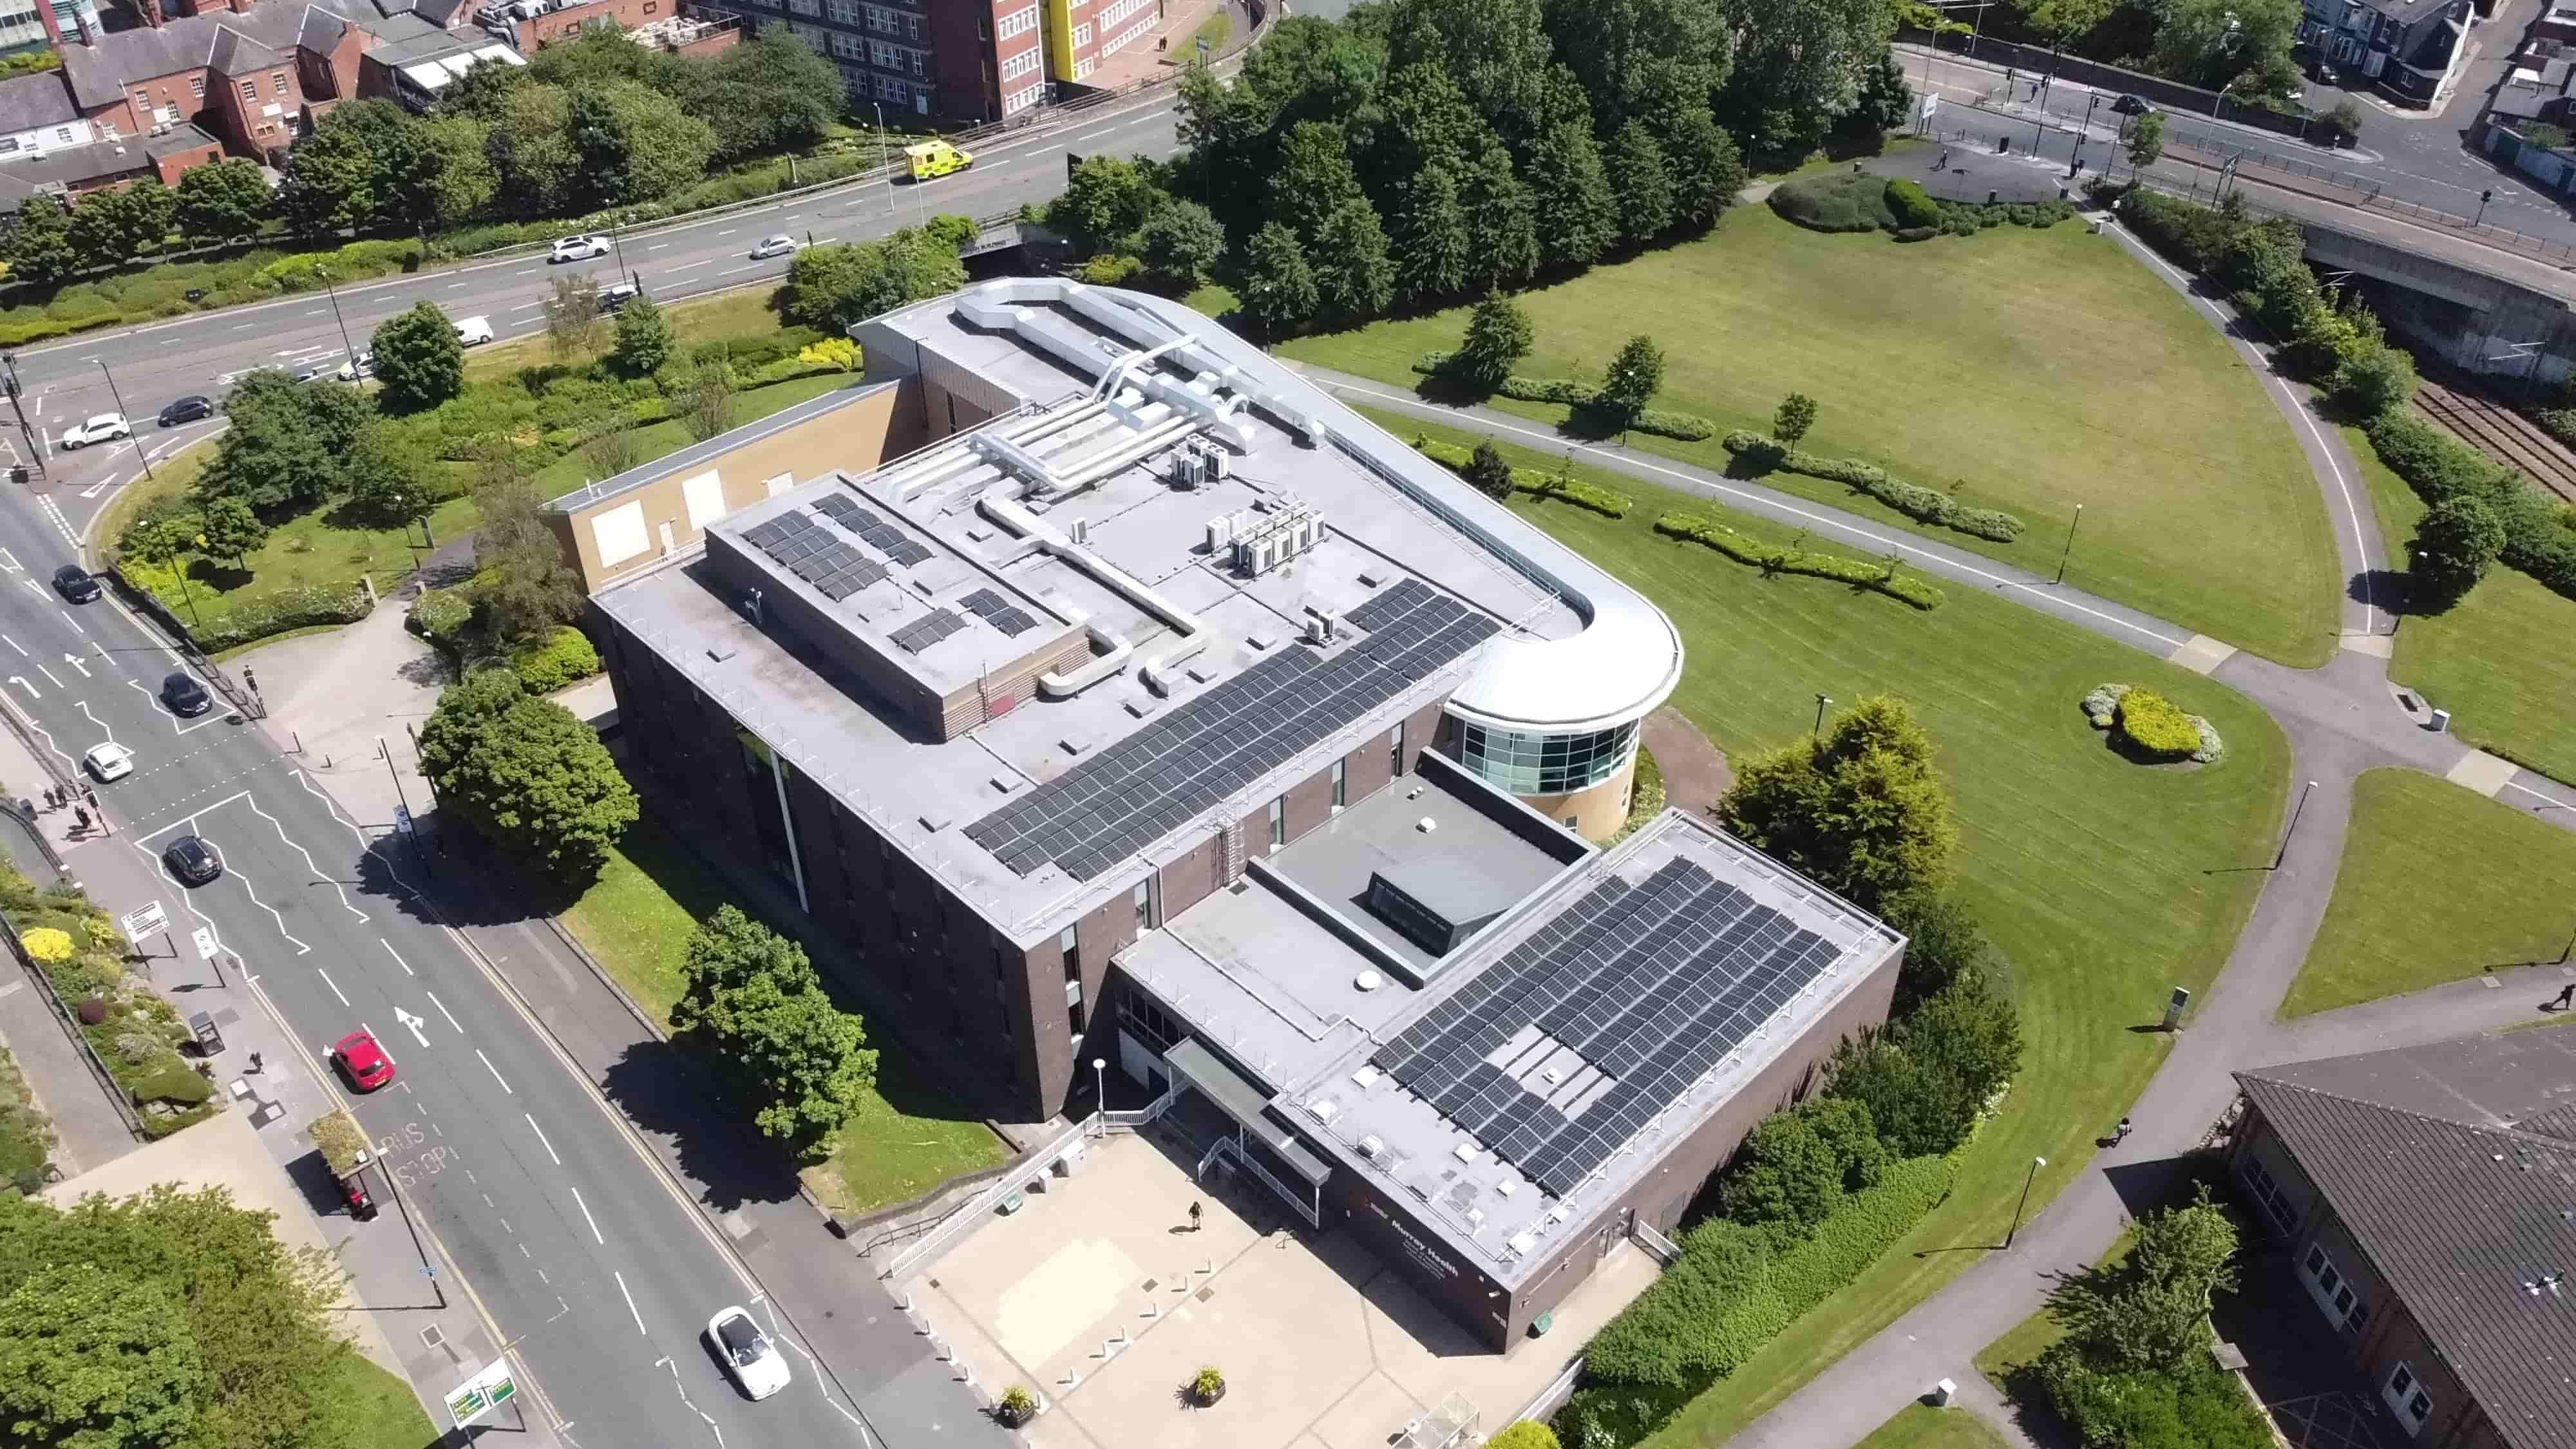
[
  {"x": 2036, "y": 1164},
  {"x": 882, "y": 164},
  {"x": 2066, "y": 552},
  {"x": 346, "y": 346},
  {"x": 1821, "y": 701},
  {"x": 2283, "y": 853},
  {"x": 120, "y": 412},
  {"x": 27, "y": 434},
  {"x": 617, "y": 244},
  {"x": 1100, "y": 1090}
]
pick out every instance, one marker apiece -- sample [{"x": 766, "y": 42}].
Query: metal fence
[{"x": 972, "y": 1212}]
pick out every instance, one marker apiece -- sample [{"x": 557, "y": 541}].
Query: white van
[{"x": 474, "y": 331}]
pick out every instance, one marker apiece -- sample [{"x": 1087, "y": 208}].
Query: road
[
  {"x": 153, "y": 364},
  {"x": 575, "y": 1244}
]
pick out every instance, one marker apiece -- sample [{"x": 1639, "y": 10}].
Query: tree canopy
[
  {"x": 836, "y": 286},
  {"x": 526, "y": 775},
  {"x": 1860, "y": 811},
  {"x": 756, "y": 998},
  {"x": 419, "y": 360}
]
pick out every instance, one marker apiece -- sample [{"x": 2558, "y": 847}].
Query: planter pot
[
  {"x": 1011, "y": 1418},
  {"x": 1207, "y": 1401}
]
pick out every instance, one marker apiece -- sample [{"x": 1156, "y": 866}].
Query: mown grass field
[
  {"x": 2027, "y": 370},
  {"x": 2090, "y": 871},
  {"x": 2437, "y": 884},
  {"x": 1924, "y": 1427}
]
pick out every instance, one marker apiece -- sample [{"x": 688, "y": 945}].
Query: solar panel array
[
  {"x": 999, "y": 612},
  {"x": 927, "y": 630},
  {"x": 813, "y": 553},
  {"x": 882, "y": 536},
  {"x": 1099, "y": 814},
  {"x": 1653, "y": 984}
]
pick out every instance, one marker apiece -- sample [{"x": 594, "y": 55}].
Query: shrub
[
  {"x": 839, "y": 353},
  {"x": 1911, "y": 208},
  {"x": 1207, "y": 1383},
  {"x": 1834, "y": 201},
  {"x": 1878, "y": 578},
  {"x": 1110, "y": 269},
  {"x": 1689, "y": 427},
  {"x": 1566, "y": 488},
  {"x": 2155, "y": 725},
  {"x": 1927, "y": 505},
  {"x": 260, "y": 616},
  {"x": 175, "y": 1084},
  {"x": 1527, "y": 1434},
  {"x": 45, "y": 943},
  {"x": 440, "y": 615},
  {"x": 560, "y": 658}
]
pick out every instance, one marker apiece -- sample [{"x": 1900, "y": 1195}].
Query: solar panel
[
  {"x": 905, "y": 552},
  {"x": 984, "y": 603},
  {"x": 1014, "y": 621},
  {"x": 923, "y": 632}
]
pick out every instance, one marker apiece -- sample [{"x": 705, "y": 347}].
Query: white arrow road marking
[
  {"x": 74, "y": 661},
  {"x": 414, "y": 1022},
  {"x": 20, "y": 680}
]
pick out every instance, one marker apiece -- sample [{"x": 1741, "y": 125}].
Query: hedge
[
  {"x": 257, "y": 617},
  {"x": 2440, "y": 467},
  {"x": 1911, "y": 208},
  {"x": 564, "y": 657},
  {"x": 1688, "y": 427},
  {"x": 1926, "y": 505},
  {"x": 1535, "y": 482},
  {"x": 1772, "y": 558}
]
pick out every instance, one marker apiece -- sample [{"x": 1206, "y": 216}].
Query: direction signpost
[{"x": 490, "y": 1388}]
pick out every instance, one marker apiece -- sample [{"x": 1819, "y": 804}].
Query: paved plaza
[{"x": 1099, "y": 1295}]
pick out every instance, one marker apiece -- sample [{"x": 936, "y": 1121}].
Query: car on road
[
  {"x": 618, "y": 294},
  {"x": 577, "y": 248},
  {"x": 185, "y": 696},
  {"x": 76, "y": 583},
  {"x": 2130, "y": 105},
  {"x": 103, "y": 428},
  {"x": 474, "y": 331},
  {"x": 109, "y": 761},
  {"x": 363, "y": 365},
  {"x": 187, "y": 410},
  {"x": 192, "y": 860},
  {"x": 756, "y": 1365},
  {"x": 362, "y": 1061},
  {"x": 313, "y": 371},
  {"x": 773, "y": 246}
]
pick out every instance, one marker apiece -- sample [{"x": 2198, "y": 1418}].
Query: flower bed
[{"x": 2151, "y": 724}]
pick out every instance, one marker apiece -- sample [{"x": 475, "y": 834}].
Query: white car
[
  {"x": 755, "y": 1363},
  {"x": 104, "y": 428},
  {"x": 474, "y": 331},
  {"x": 578, "y": 248},
  {"x": 773, "y": 246},
  {"x": 110, "y": 761}
]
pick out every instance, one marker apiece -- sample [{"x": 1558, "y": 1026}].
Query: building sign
[{"x": 1423, "y": 1254}]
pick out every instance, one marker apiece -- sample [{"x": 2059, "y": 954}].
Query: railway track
[{"x": 2501, "y": 434}]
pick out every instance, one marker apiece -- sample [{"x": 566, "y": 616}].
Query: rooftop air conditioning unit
[
  {"x": 1372, "y": 1147},
  {"x": 1220, "y": 533},
  {"x": 1082, "y": 530},
  {"x": 1186, "y": 469},
  {"x": 1323, "y": 1108},
  {"x": 1220, "y": 462}
]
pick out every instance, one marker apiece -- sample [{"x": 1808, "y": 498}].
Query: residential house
[
  {"x": 2427, "y": 1198},
  {"x": 47, "y": 145},
  {"x": 2412, "y": 48}
]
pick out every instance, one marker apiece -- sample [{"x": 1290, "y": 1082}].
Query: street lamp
[
  {"x": 2295, "y": 811},
  {"x": 882, "y": 164},
  {"x": 35, "y": 454},
  {"x": 1821, "y": 701},
  {"x": 1100, "y": 1090},
  {"x": 2036, "y": 1164},
  {"x": 120, "y": 412},
  {"x": 346, "y": 346},
  {"x": 2066, "y": 552}
]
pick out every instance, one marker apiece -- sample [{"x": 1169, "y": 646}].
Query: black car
[
  {"x": 617, "y": 294},
  {"x": 75, "y": 583},
  {"x": 187, "y": 410},
  {"x": 192, "y": 860},
  {"x": 185, "y": 695}
]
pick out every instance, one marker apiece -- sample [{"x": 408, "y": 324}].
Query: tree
[
  {"x": 1577, "y": 215},
  {"x": 530, "y": 145},
  {"x": 2150, "y": 1310},
  {"x": 1499, "y": 335},
  {"x": 520, "y": 578},
  {"x": 1313, "y": 178},
  {"x": 1797, "y": 69},
  {"x": 1944, "y": 944},
  {"x": 93, "y": 1359},
  {"x": 574, "y": 323},
  {"x": 404, "y": 171},
  {"x": 1497, "y": 50},
  {"x": 458, "y": 178},
  {"x": 755, "y": 995},
  {"x": 113, "y": 225},
  {"x": 1357, "y": 278},
  {"x": 1429, "y": 125},
  {"x": 419, "y": 360},
  {"x": 390, "y": 482},
  {"x": 1968, "y": 1035},
  {"x": 222, "y": 200},
  {"x": 1502, "y": 220},
  {"x": 39, "y": 247},
  {"x": 1796, "y": 1166},
  {"x": 526, "y": 775},
  {"x": 1431, "y": 246},
  {"x": 2211, "y": 43},
  {"x": 2146, "y": 140},
  {"x": 727, "y": 952},
  {"x": 1860, "y": 811},
  {"x": 2455, "y": 544},
  {"x": 705, "y": 403},
  {"x": 643, "y": 338},
  {"x": 288, "y": 444},
  {"x": 770, "y": 93},
  {"x": 1637, "y": 57},
  {"x": 333, "y": 182},
  {"x": 1634, "y": 376},
  {"x": 1641, "y": 184},
  {"x": 1526, "y": 1434},
  {"x": 1182, "y": 243},
  {"x": 226, "y": 528},
  {"x": 2369, "y": 380},
  {"x": 1883, "y": 103},
  {"x": 1797, "y": 413},
  {"x": 1278, "y": 288},
  {"x": 1707, "y": 170},
  {"x": 836, "y": 287},
  {"x": 635, "y": 144},
  {"x": 1487, "y": 473},
  {"x": 1105, "y": 201}
]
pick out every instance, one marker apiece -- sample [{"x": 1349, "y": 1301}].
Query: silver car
[
  {"x": 773, "y": 246},
  {"x": 756, "y": 1365}
]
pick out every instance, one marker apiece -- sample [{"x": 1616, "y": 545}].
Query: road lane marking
[
  {"x": 594, "y": 1227},
  {"x": 218, "y": 805},
  {"x": 674, "y": 1367},
  {"x": 728, "y": 231},
  {"x": 14, "y": 644},
  {"x": 524, "y": 306},
  {"x": 371, "y": 1036},
  {"x": 49, "y": 674},
  {"x": 738, "y": 271},
  {"x": 406, "y": 966},
  {"x": 318, "y": 873},
  {"x": 10, "y": 562},
  {"x": 20, "y": 680},
  {"x": 413, "y": 1024},
  {"x": 495, "y": 1071},
  {"x": 689, "y": 266},
  {"x": 30, "y": 722},
  {"x": 657, "y": 246},
  {"x": 442, "y": 1009},
  {"x": 541, "y": 1137},
  {"x": 74, "y": 661},
  {"x": 300, "y": 947},
  {"x": 334, "y": 985},
  {"x": 94, "y": 719}
]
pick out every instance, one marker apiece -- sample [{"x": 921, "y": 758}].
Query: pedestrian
[
  {"x": 2120, "y": 1133},
  {"x": 53, "y": 798},
  {"x": 1194, "y": 1217},
  {"x": 80, "y": 820},
  {"x": 2566, "y": 997},
  {"x": 254, "y": 1061}
]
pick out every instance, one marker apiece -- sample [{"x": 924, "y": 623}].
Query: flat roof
[
  {"x": 1591, "y": 1031},
  {"x": 1071, "y": 503}
]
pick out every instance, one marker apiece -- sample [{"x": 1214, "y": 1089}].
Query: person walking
[
  {"x": 80, "y": 820},
  {"x": 2120, "y": 1133},
  {"x": 2565, "y": 998},
  {"x": 1194, "y": 1217}
]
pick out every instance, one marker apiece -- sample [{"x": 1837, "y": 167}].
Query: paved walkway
[
  {"x": 1695, "y": 771},
  {"x": 2341, "y": 718}
]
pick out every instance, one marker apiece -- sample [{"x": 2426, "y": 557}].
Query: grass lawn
[
  {"x": 732, "y": 315},
  {"x": 907, "y": 1137},
  {"x": 670, "y": 435},
  {"x": 2435, "y": 886},
  {"x": 2088, "y": 870},
  {"x": 1923, "y": 1427},
  {"x": 26, "y": 1137},
  {"x": 390, "y": 1415},
  {"x": 1216, "y": 31},
  {"x": 2500, "y": 661},
  {"x": 2030, "y": 370}
]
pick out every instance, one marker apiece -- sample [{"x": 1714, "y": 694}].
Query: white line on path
[
  {"x": 524, "y": 306},
  {"x": 738, "y": 271},
  {"x": 728, "y": 231},
  {"x": 712, "y": 1427},
  {"x": 657, "y": 246},
  {"x": 594, "y": 1228},
  {"x": 690, "y": 266},
  {"x": 49, "y": 674},
  {"x": 407, "y": 971},
  {"x": 301, "y": 948},
  {"x": 334, "y": 985},
  {"x": 442, "y": 1009},
  {"x": 371, "y": 1034},
  {"x": 541, "y": 1137},
  {"x": 487, "y": 1066},
  {"x": 14, "y": 644},
  {"x": 630, "y": 1303}
]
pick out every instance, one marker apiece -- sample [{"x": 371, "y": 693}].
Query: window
[
  {"x": 1082, "y": 34},
  {"x": 2406, "y": 1398},
  {"x": 849, "y": 47},
  {"x": 1073, "y": 996},
  {"x": 1018, "y": 22},
  {"x": 1012, "y": 69},
  {"x": 1341, "y": 783},
  {"x": 250, "y": 89},
  {"x": 912, "y": 27},
  {"x": 1144, "y": 905},
  {"x": 921, "y": 64},
  {"x": 881, "y": 55},
  {"x": 277, "y": 82},
  {"x": 1070, "y": 943},
  {"x": 2276, "y": 1203},
  {"x": 1533, "y": 764},
  {"x": 1395, "y": 751},
  {"x": 2335, "y": 1295},
  {"x": 843, "y": 12},
  {"x": 1279, "y": 822},
  {"x": 806, "y": 7},
  {"x": 196, "y": 85}
]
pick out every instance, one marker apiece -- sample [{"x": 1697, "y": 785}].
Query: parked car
[
  {"x": 362, "y": 1061},
  {"x": 618, "y": 294},
  {"x": 75, "y": 583},
  {"x": 185, "y": 696},
  {"x": 187, "y": 410},
  {"x": 362, "y": 365},
  {"x": 103, "y": 428},
  {"x": 577, "y": 248},
  {"x": 474, "y": 331},
  {"x": 109, "y": 761},
  {"x": 755, "y": 1364},
  {"x": 312, "y": 371},
  {"x": 192, "y": 860},
  {"x": 773, "y": 246}
]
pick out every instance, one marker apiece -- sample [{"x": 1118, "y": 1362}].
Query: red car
[{"x": 362, "y": 1061}]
